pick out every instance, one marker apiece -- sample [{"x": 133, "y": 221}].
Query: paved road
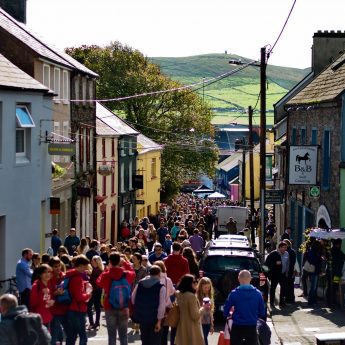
[{"x": 100, "y": 338}]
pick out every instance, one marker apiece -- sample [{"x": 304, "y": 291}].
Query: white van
[{"x": 223, "y": 213}]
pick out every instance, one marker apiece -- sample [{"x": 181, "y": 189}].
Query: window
[
  {"x": 122, "y": 147},
  {"x": 57, "y": 82},
  {"x": 65, "y": 86},
  {"x": 84, "y": 90},
  {"x": 130, "y": 173},
  {"x": 130, "y": 147},
  {"x": 293, "y": 136},
  {"x": 81, "y": 147},
  {"x": 90, "y": 90},
  {"x": 314, "y": 136},
  {"x": 104, "y": 189},
  {"x": 112, "y": 182},
  {"x": 112, "y": 147},
  {"x": 24, "y": 123},
  {"x": 326, "y": 159},
  {"x": 24, "y": 118},
  {"x": 46, "y": 75},
  {"x": 303, "y": 136},
  {"x": 87, "y": 144},
  {"x": 103, "y": 147},
  {"x": 122, "y": 177},
  {"x": 153, "y": 168},
  {"x": 76, "y": 88}
]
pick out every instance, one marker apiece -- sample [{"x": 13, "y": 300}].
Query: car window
[{"x": 224, "y": 263}]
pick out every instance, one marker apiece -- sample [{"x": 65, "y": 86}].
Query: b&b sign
[{"x": 303, "y": 165}]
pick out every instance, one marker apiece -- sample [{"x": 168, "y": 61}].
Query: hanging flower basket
[{"x": 105, "y": 170}]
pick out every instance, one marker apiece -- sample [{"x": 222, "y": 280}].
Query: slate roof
[
  {"x": 13, "y": 77},
  {"x": 119, "y": 126},
  {"x": 43, "y": 49},
  {"x": 147, "y": 144},
  {"x": 327, "y": 86}
]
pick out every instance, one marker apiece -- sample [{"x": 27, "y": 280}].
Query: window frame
[
  {"x": 65, "y": 86},
  {"x": 18, "y": 122},
  {"x": 45, "y": 66},
  {"x": 21, "y": 154},
  {"x": 57, "y": 83}
]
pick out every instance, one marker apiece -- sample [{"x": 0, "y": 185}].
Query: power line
[{"x": 282, "y": 30}]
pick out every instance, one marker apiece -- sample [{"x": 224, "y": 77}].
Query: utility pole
[
  {"x": 262, "y": 147},
  {"x": 243, "y": 172},
  {"x": 251, "y": 173}
]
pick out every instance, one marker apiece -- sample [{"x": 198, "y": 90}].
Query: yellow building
[{"x": 148, "y": 165}]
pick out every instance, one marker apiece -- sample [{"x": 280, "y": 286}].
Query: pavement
[{"x": 297, "y": 324}]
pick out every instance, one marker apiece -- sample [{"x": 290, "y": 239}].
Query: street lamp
[{"x": 262, "y": 65}]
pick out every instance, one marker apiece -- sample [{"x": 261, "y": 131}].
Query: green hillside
[{"x": 231, "y": 96}]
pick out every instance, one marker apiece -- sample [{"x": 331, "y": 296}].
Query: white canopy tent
[
  {"x": 216, "y": 195},
  {"x": 331, "y": 234}
]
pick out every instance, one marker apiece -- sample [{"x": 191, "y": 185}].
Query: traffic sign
[{"x": 274, "y": 196}]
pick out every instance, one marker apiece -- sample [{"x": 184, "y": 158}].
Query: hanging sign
[
  {"x": 61, "y": 149},
  {"x": 303, "y": 165}
]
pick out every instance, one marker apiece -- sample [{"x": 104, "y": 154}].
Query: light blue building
[{"x": 25, "y": 166}]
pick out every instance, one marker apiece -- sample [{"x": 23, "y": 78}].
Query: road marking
[{"x": 312, "y": 329}]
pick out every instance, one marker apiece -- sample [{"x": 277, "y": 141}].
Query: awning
[{"x": 203, "y": 189}]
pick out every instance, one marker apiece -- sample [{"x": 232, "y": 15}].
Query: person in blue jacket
[{"x": 248, "y": 307}]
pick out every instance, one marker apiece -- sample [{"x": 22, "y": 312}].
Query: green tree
[{"x": 179, "y": 120}]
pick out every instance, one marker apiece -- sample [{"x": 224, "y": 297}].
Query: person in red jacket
[
  {"x": 176, "y": 265},
  {"x": 58, "y": 310},
  {"x": 80, "y": 290},
  {"x": 41, "y": 299},
  {"x": 116, "y": 319}
]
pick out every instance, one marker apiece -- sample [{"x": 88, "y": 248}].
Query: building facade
[
  {"x": 149, "y": 167},
  {"x": 25, "y": 166}
]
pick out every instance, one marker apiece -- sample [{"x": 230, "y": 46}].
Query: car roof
[
  {"x": 229, "y": 245},
  {"x": 231, "y": 252},
  {"x": 234, "y": 237}
]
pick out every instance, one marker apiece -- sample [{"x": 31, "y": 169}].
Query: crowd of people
[{"x": 136, "y": 280}]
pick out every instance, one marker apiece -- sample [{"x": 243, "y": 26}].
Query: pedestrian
[
  {"x": 169, "y": 297},
  {"x": 162, "y": 231},
  {"x": 93, "y": 250},
  {"x": 167, "y": 244},
  {"x": 231, "y": 226},
  {"x": 116, "y": 318},
  {"x": 338, "y": 258},
  {"x": 83, "y": 247},
  {"x": 175, "y": 230},
  {"x": 287, "y": 234},
  {"x": 177, "y": 266},
  {"x": 290, "y": 280},
  {"x": 189, "y": 254},
  {"x": 58, "y": 310},
  {"x": 314, "y": 258},
  {"x": 248, "y": 307},
  {"x": 205, "y": 295},
  {"x": 35, "y": 263},
  {"x": 95, "y": 300},
  {"x": 55, "y": 241},
  {"x": 41, "y": 298},
  {"x": 80, "y": 290},
  {"x": 196, "y": 242},
  {"x": 9, "y": 311},
  {"x": 149, "y": 300},
  {"x": 278, "y": 264},
  {"x": 151, "y": 237},
  {"x": 24, "y": 275},
  {"x": 157, "y": 254},
  {"x": 72, "y": 241},
  {"x": 189, "y": 326}
]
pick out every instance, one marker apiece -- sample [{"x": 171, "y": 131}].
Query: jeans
[
  {"x": 95, "y": 301},
  {"x": 290, "y": 289},
  {"x": 281, "y": 280},
  {"x": 76, "y": 326},
  {"x": 305, "y": 277},
  {"x": 25, "y": 298},
  {"x": 149, "y": 336},
  {"x": 117, "y": 320},
  {"x": 243, "y": 335},
  {"x": 165, "y": 333},
  {"x": 205, "y": 332},
  {"x": 312, "y": 296},
  {"x": 56, "y": 329}
]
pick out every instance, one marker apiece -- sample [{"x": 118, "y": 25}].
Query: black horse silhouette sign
[
  {"x": 303, "y": 165},
  {"x": 304, "y": 158}
]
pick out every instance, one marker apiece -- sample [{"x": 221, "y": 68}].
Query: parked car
[{"x": 222, "y": 266}]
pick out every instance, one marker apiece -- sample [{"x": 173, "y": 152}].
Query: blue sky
[{"x": 189, "y": 27}]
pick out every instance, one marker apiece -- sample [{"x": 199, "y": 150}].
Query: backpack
[
  {"x": 29, "y": 330},
  {"x": 65, "y": 298},
  {"x": 120, "y": 293}
]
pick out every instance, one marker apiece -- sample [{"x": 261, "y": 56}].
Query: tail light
[
  {"x": 201, "y": 274},
  {"x": 262, "y": 279}
]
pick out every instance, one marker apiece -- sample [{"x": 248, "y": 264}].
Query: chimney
[
  {"x": 15, "y": 8},
  {"x": 327, "y": 47}
]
